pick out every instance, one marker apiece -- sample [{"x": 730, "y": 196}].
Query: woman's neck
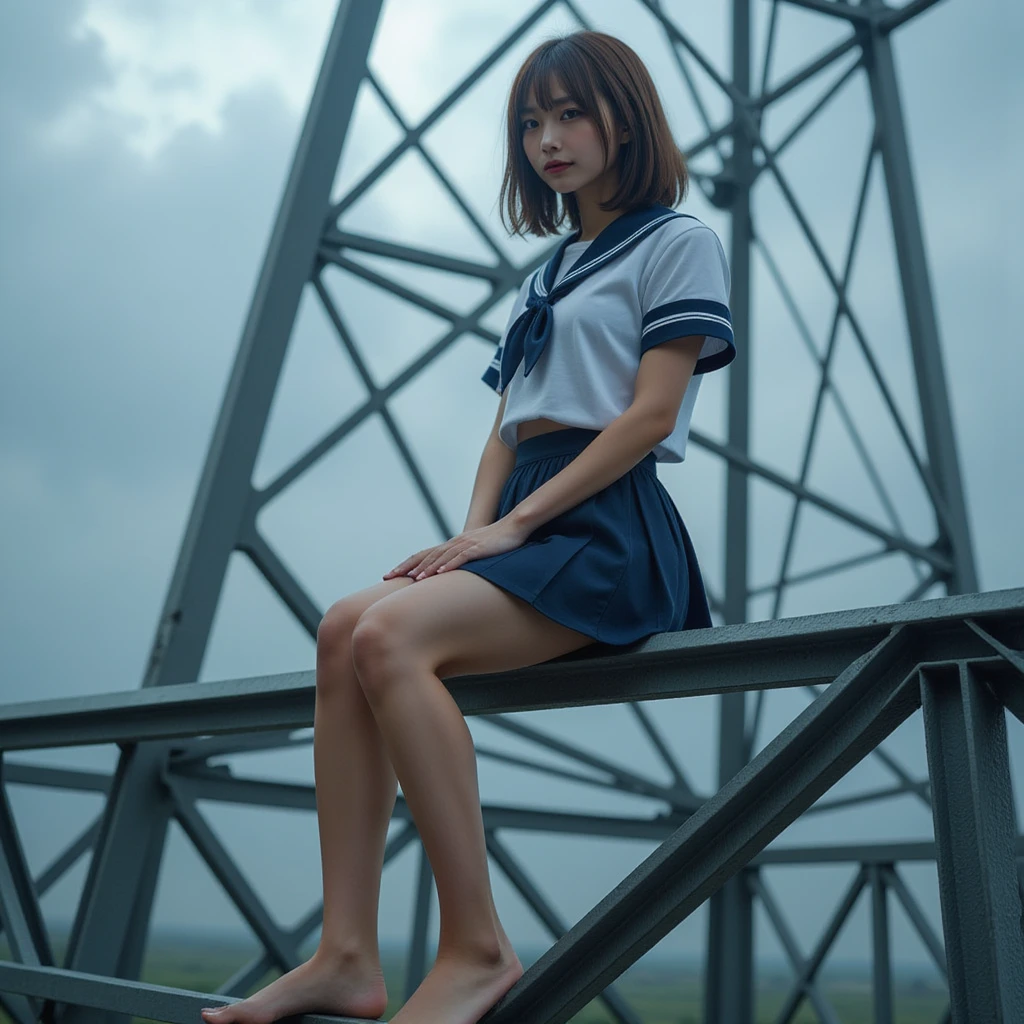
[
  {"x": 594, "y": 219},
  {"x": 590, "y": 229}
]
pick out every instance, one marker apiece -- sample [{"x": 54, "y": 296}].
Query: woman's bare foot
[
  {"x": 322, "y": 984},
  {"x": 461, "y": 990}
]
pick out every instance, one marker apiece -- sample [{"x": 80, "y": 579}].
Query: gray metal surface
[
  {"x": 866, "y": 670},
  {"x": 975, "y": 833},
  {"x": 729, "y": 981}
]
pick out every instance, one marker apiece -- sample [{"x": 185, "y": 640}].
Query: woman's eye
[{"x": 526, "y": 124}]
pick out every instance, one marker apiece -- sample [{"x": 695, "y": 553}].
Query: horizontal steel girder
[{"x": 799, "y": 651}]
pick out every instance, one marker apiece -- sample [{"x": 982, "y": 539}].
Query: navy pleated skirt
[{"x": 618, "y": 567}]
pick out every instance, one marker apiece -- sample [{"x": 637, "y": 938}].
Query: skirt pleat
[{"x": 618, "y": 567}]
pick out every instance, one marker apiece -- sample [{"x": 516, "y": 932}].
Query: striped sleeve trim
[{"x": 691, "y": 316}]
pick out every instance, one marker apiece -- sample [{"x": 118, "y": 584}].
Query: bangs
[{"x": 539, "y": 75}]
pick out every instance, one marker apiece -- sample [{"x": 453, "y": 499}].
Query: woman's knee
[
  {"x": 334, "y": 643},
  {"x": 336, "y": 626},
  {"x": 378, "y": 649},
  {"x": 338, "y": 622}
]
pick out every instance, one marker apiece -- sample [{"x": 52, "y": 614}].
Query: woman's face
[{"x": 566, "y": 134}]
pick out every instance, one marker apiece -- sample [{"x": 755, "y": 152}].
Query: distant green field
[{"x": 659, "y": 994}]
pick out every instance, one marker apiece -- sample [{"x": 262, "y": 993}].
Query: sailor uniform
[
  {"x": 619, "y": 566},
  {"x": 582, "y": 322}
]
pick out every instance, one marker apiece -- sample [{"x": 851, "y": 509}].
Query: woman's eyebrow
[{"x": 554, "y": 103}]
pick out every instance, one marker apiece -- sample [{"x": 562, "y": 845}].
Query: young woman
[{"x": 570, "y": 538}]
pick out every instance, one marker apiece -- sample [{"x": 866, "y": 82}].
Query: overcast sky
[{"x": 144, "y": 151}]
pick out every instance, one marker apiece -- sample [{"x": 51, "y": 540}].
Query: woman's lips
[{"x": 555, "y": 168}]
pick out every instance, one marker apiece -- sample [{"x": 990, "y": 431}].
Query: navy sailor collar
[{"x": 530, "y": 333}]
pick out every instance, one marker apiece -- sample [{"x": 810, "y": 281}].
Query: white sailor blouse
[{"x": 581, "y": 322}]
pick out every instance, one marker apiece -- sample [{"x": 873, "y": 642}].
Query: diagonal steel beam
[
  {"x": 59, "y": 866},
  {"x": 200, "y": 751},
  {"x": 893, "y": 18},
  {"x": 685, "y": 802},
  {"x": 225, "y": 483},
  {"x": 824, "y": 384},
  {"x": 750, "y": 466},
  {"x": 807, "y": 983},
  {"x": 624, "y": 779},
  {"x": 616, "y": 1004},
  {"x": 918, "y": 787},
  {"x": 659, "y": 744},
  {"x": 1008, "y": 691},
  {"x": 20, "y": 914},
  {"x": 924, "y": 930},
  {"x": 273, "y": 569},
  {"x": 919, "y": 304},
  {"x": 248, "y": 974},
  {"x": 1015, "y": 658},
  {"x": 864, "y": 705},
  {"x": 273, "y": 937},
  {"x": 813, "y": 963},
  {"x": 868, "y": 796},
  {"x": 414, "y": 134}
]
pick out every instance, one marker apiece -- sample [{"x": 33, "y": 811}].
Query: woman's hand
[{"x": 494, "y": 539}]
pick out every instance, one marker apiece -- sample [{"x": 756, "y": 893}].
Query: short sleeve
[
  {"x": 491, "y": 376},
  {"x": 686, "y": 291}
]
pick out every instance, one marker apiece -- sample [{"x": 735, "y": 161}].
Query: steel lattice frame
[
  {"x": 959, "y": 660},
  {"x": 157, "y": 780}
]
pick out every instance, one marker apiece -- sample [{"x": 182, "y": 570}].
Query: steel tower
[{"x": 729, "y": 157}]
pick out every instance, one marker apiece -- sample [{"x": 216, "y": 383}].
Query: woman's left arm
[{"x": 663, "y": 375}]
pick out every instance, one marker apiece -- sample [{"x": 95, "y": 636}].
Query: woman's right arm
[{"x": 496, "y": 464}]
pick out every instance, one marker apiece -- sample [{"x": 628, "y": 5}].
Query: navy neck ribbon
[{"x": 532, "y": 329}]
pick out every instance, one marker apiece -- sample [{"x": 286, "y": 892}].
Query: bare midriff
[{"x": 531, "y": 428}]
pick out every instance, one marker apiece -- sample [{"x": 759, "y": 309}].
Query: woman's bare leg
[
  {"x": 451, "y": 623},
  {"x": 356, "y": 789}
]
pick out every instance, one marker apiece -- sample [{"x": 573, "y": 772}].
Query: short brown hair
[{"x": 590, "y": 64}]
